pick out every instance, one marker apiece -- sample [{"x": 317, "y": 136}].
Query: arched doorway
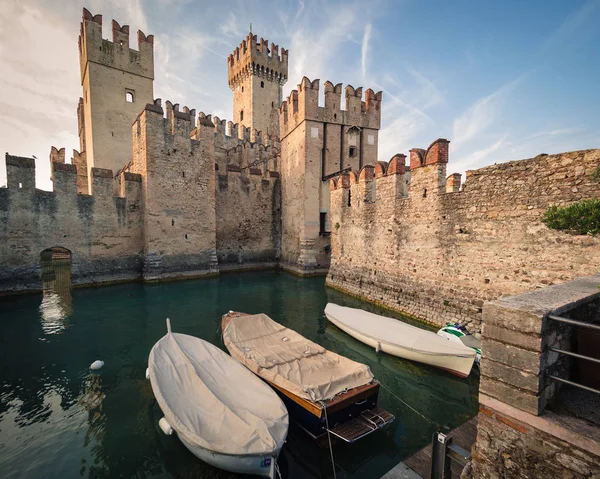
[{"x": 56, "y": 269}]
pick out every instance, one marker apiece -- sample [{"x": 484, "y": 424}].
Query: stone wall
[
  {"x": 438, "y": 255},
  {"x": 248, "y": 214},
  {"x": 528, "y": 425},
  {"x": 103, "y": 232},
  {"x": 178, "y": 178}
]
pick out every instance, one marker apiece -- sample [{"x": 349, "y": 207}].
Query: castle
[{"x": 158, "y": 191}]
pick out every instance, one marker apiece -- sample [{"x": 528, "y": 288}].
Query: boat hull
[
  {"x": 259, "y": 465},
  {"x": 460, "y": 366},
  {"x": 316, "y": 424}
]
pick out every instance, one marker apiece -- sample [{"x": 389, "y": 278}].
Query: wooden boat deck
[
  {"x": 369, "y": 421},
  {"x": 464, "y": 436}
]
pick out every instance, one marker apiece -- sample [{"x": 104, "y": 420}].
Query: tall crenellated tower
[
  {"x": 256, "y": 74},
  {"x": 319, "y": 143},
  {"x": 117, "y": 83}
]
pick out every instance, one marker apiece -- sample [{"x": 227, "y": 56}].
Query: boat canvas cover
[
  {"x": 290, "y": 361},
  {"x": 395, "y": 332},
  {"x": 212, "y": 400}
]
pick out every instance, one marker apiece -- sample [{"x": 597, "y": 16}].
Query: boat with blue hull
[{"x": 323, "y": 391}]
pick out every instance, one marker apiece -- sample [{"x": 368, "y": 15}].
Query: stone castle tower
[
  {"x": 117, "y": 83},
  {"x": 256, "y": 74}
]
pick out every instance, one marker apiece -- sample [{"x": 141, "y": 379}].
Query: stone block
[
  {"x": 500, "y": 314},
  {"x": 514, "y": 377},
  {"x": 530, "y": 342},
  {"x": 529, "y": 361},
  {"x": 524, "y": 400}
]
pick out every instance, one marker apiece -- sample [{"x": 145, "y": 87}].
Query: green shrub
[
  {"x": 596, "y": 174},
  {"x": 581, "y": 218}
]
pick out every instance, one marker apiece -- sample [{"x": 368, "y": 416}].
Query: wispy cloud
[
  {"x": 477, "y": 157},
  {"x": 365, "y": 50},
  {"x": 482, "y": 114},
  {"x": 231, "y": 28}
]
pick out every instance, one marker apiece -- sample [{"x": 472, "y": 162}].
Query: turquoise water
[{"x": 58, "y": 419}]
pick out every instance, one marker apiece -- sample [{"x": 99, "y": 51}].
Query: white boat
[
  {"x": 401, "y": 339},
  {"x": 221, "y": 411},
  {"x": 458, "y": 334}
]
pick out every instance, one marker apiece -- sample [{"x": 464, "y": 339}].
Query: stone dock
[{"x": 418, "y": 465}]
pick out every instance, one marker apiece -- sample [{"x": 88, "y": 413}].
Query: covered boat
[
  {"x": 401, "y": 339},
  {"x": 457, "y": 333},
  {"x": 220, "y": 411},
  {"x": 322, "y": 390}
]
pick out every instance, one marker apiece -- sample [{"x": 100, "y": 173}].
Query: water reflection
[
  {"x": 55, "y": 309},
  {"x": 57, "y": 302},
  {"x": 58, "y": 420}
]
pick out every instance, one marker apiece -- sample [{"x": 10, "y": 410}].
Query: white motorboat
[
  {"x": 221, "y": 411},
  {"x": 459, "y": 334},
  {"x": 401, "y": 339}
]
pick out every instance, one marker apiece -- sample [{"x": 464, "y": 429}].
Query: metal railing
[
  {"x": 443, "y": 452},
  {"x": 582, "y": 324}
]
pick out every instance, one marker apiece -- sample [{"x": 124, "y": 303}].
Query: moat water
[{"x": 59, "y": 419}]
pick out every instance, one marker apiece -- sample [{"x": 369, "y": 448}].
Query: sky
[{"x": 502, "y": 80}]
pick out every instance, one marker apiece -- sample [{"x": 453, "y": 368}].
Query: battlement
[
  {"x": 252, "y": 158},
  {"x": 78, "y": 160},
  {"x": 254, "y": 57},
  {"x": 21, "y": 176},
  {"x": 175, "y": 121},
  {"x": 116, "y": 53},
  {"x": 435, "y": 154},
  {"x": 302, "y": 104},
  {"x": 229, "y": 135},
  {"x": 396, "y": 166}
]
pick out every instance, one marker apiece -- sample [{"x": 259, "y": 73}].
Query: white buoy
[
  {"x": 165, "y": 426},
  {"x": 97, "y": 364},
  {"x": 147, "y": 373}
]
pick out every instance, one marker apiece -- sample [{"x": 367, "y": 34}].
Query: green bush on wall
[{"x": 582, "y": 218}]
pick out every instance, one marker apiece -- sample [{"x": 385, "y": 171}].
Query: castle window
[
  {"x": 349, "y": 198},
  {"x": 242, "y": 115},
  {"x": 352, "y": 151},
  {"x": 242, "y": 89},
  {"x": 262, "y": 84},
  {"x": 129, "y": 98},
  {"x": 172, "y": 222},
  {"x": 272, "y": 104}
]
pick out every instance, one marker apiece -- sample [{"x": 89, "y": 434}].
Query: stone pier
[{"x": 531, "y": 425}]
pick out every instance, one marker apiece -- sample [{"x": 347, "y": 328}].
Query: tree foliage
[{"x": 582, "y": 218}]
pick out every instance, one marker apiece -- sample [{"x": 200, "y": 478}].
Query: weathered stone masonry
[
  {"x": 437, "y": 253},
  {"x": 193, "y": 201},
  {"x": 318, "y": 142},
  {"x": 103, "y": 232}
]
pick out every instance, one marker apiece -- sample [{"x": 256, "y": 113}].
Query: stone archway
[{"x": 55, "y": 266}]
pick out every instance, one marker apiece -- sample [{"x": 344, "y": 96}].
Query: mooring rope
[
  {"x": 412, "y": 408},
  {"x": 329, "y": 438}
]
